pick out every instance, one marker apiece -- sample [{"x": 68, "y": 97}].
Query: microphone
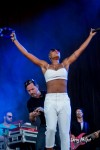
[{"x": 96, "y": 30}]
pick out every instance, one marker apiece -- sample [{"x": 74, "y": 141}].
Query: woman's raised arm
[
  {"x": 30, "y": 56},
  {"x": 79, "y": 51}
]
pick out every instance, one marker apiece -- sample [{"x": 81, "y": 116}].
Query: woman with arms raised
[{"x": 57, "y": 103}]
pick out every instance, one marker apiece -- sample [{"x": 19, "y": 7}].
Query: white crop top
[{"x": 51, "y": 74}]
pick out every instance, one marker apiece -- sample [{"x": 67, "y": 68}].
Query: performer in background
[
  {"x": 35, "y": 106},
  {"x": 5, "y": 127},
  {"x": 57, "y": 103},
  {"x": 79, "y": 126}
]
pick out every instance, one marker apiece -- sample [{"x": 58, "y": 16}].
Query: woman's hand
[
  {"x": 92, "y": 33},
  {"x": 13, "y": 36}
]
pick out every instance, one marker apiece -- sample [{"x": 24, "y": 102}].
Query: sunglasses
[
  {"x": 29, "y": 82},
  {"x": 9, "y": 116}
]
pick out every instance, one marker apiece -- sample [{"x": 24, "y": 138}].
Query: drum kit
[{"x": 23, "y": 133}]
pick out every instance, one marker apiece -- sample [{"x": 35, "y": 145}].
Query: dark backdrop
[{"x": 40, "y": 26}]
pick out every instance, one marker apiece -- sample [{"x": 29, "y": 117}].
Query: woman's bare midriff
[{"x": 57, "y": 86}]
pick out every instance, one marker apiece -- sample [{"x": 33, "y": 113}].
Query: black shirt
[
  {"x": 76, "y": 128},
  {"x": 33, "y": 103},
  {"x": 76, "y": 131}
]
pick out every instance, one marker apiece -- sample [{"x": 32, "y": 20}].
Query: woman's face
[{"x": 54, "y": 54}]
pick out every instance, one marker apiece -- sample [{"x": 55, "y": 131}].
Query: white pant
[{"x": 57, "y": 109}]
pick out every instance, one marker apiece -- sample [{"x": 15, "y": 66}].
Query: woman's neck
[{"x": 55, "y": 62}]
